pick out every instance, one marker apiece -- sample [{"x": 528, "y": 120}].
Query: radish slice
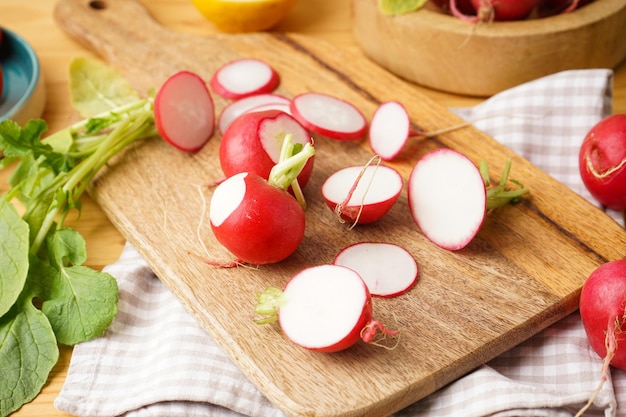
[
  {"x": 389, "y": 130},
  {"x": 244, "y": 105},
  {"x": 244, "y": 77},
  {"x": 387, "y": 269},
  {"x": 447, "y": 198},
  {"x": 329, "y": 116},
  {"x": 362, "y": 194},
  {"x": 184, "y": 113}
]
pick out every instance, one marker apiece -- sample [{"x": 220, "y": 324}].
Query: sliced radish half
[
  {"x": 389, "y": 130},
  {"x": 387, "y": 269},
  {"x": 184, "y": 113},
  {"x": 244, "y": 77},
  {"x": 251, "y": 103},
  {"x": 447, "y": 198},
  {"x": 329, "y": 116},
  {"x": 362, "y": 194}
]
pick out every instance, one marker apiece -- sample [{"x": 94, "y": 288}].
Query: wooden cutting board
[{"x": 522, "y": 273}]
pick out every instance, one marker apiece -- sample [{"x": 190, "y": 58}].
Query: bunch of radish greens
[{"x": 47, "y": 295}]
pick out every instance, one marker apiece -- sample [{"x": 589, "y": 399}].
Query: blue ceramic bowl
[{"x": 23, "y": 95}]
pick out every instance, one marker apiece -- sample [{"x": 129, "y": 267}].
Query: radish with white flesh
[
  {"x": 448, "y": 197},
  {"x": 603, "y": 314},
  {"x": 602, "y": 161},
  {"x": 184, "y": 113},
  {"x": 388, "y": 270},
  {"x": 253, "y": 143},
  {"x": 362, "y": 194},
  {"x": 329, "y": 116},
  {"x": 256, "y": 219},
  {"x": 325, "y": 308},
  {"x": 389, "y": 130},
  {"x": 244, "y": 77},
  {"x": 247, "y": 104}
]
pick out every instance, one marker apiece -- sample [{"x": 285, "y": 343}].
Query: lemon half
[{"x": 235, "y": 16}]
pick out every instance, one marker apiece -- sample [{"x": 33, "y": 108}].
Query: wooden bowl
[{"x": 442, "y": 52}]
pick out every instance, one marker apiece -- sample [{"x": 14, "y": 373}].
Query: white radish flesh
[
  {"x": 388, "y": 270},
  {"x": 251, "y": 103},
  {"x": 362, "y": 194},
  {"x": 447, "y": 198},
  {"x": 244, "y": 77},
  {"x": 389, "y": 130},
  {"x": 329, "y": 116},
  {"x": 184, "y": 112},
  {"x": 325, "y": 308}
]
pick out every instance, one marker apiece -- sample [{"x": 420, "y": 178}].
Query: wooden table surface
[{"x": 329, "y": 20}]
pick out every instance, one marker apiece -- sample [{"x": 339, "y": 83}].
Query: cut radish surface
[
  {"x": 389, "y": 130},
  {"x": 387, "y": 269},
  {"x": 184, "y": 113},
  {"x": 244, "y": 77},
  {"x": 251, "y": 103},
  {"x": 362, "y": 194},
  {"x": 329, "y": 116},
  {"x": 447, "y": 198}
]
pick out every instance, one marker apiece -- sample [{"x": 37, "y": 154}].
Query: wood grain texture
[
  {"x": 521, "y": 274},
  {"x": 445, "y": 53}
]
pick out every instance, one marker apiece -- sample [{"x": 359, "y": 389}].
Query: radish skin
[
  {"x": 184, "y": 113},
  {"x": 237, "y": 108}
]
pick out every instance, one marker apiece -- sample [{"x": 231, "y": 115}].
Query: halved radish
[
  {"x": 447, "y": 198},
  {"x": 329, "y": 116},
  {"x": 250, "y": 103},
  {"x": 184, "y": 113},
  {"x": 389, "y": 130},
  {"x": 387, "y": 269},
  {"x": 244, "y": 77},
  {"x": 362, "y": 194},
  {"x": 253, "y": 143},
  {"x": 325, "y": 308}
]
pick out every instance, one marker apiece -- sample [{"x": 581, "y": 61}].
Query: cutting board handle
[{"x": 125, "y": 35}]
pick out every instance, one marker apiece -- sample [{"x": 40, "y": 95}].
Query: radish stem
[
  {"x": 500, "y": 195},
  {"x": 292, "y": 160}
]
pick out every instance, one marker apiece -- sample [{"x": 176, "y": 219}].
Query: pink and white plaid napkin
[{"x": 156, "y": 361}]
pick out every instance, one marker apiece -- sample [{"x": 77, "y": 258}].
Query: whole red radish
[
  {"x": 603, "y": 311},
  {"x": 602, "y": 161},
  {"x": 253, "y": 143},
  {"x": 325, "y": 308},
  {"x": 500, "y": 10},
  {"x": 256, "y": 221},
  {"x": 362, "y": 194},
  {"x": 184, "y": 113},
  {"x": 255, "y": 218}
]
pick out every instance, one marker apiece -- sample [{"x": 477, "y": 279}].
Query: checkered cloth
[{"x": 155, "y": 360}]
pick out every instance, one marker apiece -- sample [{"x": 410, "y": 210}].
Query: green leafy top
[
  {"x": 397, "y": 7},
  {"x": 47, "y": 295}
]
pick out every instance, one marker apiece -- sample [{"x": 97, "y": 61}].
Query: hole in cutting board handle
[{"x": 98, "y": 4}]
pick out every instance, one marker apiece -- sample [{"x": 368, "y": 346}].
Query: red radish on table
[
  {"x": 448, "y": 197},
  {"x": 255, "y": 218},
  {"x": 388, "y": 270},
  {"x": 325, "y": 308},
  {"x": 251, "y": 103},
  {"x": 329, "y": 116},
  {"x": 603, "y": 314},
  {"x": 362, "y": 194},
  {"x": 602, "y": 161},
  {"x": 389, "y": 130},
  {"x": 253, "y": 143},
  {"x": 184, "y": 113},
  {"x": 244, "y": 77}
]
